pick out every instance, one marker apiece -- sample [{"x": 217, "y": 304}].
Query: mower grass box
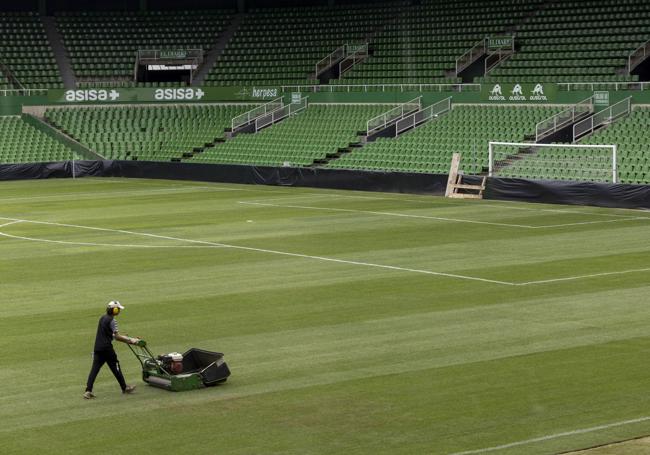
[{"x": 200, "y": 368}]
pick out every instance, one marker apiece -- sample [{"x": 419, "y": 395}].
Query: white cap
[{"x": 115, "y": 304}]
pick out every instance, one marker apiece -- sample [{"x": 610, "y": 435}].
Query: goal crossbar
[{"x": 611, "y": 147}]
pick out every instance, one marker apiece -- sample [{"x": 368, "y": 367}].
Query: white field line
[
  {"x": 263, "y": 250},
  {"x": 113, "y": 245},
  {"x": 10, "y": 223},
  {"x": 580, "y": 277},
  {"x": 438, "y": 218},
  {"x": 305, "y": 256},
  {"x": 94, "y": 194},
  {"x": 402, "y": 215},
  {"x": 572, "y": 212},
  {"x": 553, "y": 436}
]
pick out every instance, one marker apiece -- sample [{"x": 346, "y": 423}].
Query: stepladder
[{"x": 456, "y": 188}]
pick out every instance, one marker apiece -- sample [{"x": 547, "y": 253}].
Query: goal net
[{"x": 572, "y": 162}]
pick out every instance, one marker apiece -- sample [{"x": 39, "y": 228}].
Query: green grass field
[{"x": 353, "y": 323}]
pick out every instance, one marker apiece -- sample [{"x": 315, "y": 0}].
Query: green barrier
[
  {"x": 519, "y": 93},
  {"x": 542, "y": 93},
  {"x": 161, "y": 95}
]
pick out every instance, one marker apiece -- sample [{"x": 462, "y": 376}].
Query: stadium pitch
[{"x": 352, "y": 322}]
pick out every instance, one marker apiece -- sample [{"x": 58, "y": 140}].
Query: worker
[{"x": 103, "y": 352}]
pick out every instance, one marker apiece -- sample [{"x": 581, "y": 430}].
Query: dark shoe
[
  {"x": 129, "y": 389},
  {"x": 88, "y": 395}
]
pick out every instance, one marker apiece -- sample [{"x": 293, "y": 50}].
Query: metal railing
[
  {"x": 608, "y": 115},
  {"x": 639, "y": 55},
  {"x": 423, "y": 115},
  {"x": 366, "y": 88},
  {"x": 359, "y": 54},
  {"x": 248, "y": 117},
  {"x": 500, "y": 54},
  {"x": 326, "y": 62},
  {"x": 558, "y": 121},
  {"x": 471, "y": 55},
  {"x": 591, "y": 86},
  {"x": 280, "y": 113},
  {"x": 24, "y": 92},
  {"x": 170, "y": 54},
  {"x": 383, "y": 120}
]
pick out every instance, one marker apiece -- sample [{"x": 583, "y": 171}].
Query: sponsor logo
[
  {"x": 177, "y": 94},
  {"x": 91, "y": 95},
  {"x": 495, "y": 93},
  {"x": 601, "y": 98},
  {"x": 516, "y": 94},
  {"x": 264, "y": 92},
  {"x": 537, "y": 93}
]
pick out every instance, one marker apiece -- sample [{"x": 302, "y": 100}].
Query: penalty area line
[
  {"x": 439, "y": 218},
  {"x": 276, "y": 252},
  {"x": 551, "y": 437},
  {"x": 112, "y": 245}
]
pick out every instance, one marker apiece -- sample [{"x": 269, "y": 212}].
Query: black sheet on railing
[{"x": 555, "y": 192}]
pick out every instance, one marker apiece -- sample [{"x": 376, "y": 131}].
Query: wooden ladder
[{"x": 455, "y": 183}]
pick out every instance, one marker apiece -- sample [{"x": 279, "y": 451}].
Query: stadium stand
[
  {"x": 150, "y": 133},
  {"x": 22, "y": 143},
  {"x": 25, "y": 50},
  {"x": 4, "y": 83},
  {"x": 103, "y": 45},
  {"x": 299, "y": 140},
  {"x": 632, "y": 136},
  {"x": 427, "y": 39},
  {"x": 577, "y": 41},
  {"x": 283, "y": 45},
  {"x": 466, "y": 129}
]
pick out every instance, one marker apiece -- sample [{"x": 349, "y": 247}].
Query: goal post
[{"x": 572, "y": 162}]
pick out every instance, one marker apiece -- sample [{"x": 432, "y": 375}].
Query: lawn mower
[{"x": 177, "y": 372}]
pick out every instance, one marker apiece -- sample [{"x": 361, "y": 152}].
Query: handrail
[
  {"x": 607, "y": 115},
  {"x": 470, "y": 56},
  {"x": 280, "y": 113},
  {"x": 591, "y": 86},
  {"x": 417, "y": 118},
  {"x": 352, "y": 58},
  {"x": 247, "y": 117},
  {"x": 314, "y": 88},
  {"x": 383, "y": 120},
  {"x": 561, "y": 119},
  {"x": 156, "y": 54},
  {"x": 23, "y": 92},
  {"x": 637, "y": 56},
  {"x": 327, "y": 61}
]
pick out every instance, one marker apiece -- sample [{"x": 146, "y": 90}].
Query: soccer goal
[{"x": 573, "y": 162}]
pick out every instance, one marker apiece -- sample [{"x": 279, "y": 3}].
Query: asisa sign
[
  {"x": 519, "y": 93},
  {"x": 91, "y": 95}
]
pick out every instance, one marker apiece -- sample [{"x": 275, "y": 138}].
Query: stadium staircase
[
  {"x": 35, "y": 118},
  {"x": 214, "y": 53},
  {"x": 60, "y": 53},
  {"x": 577, "y": 40},
  {"x": 632, "y": 136},
  {"x": 149, "y": 133},
  {"x": 428, "y": 149},
  {"x": 425, "y": 42},
  {"x": 276, "y": 46},
  {"x": 301, "y": 141}
]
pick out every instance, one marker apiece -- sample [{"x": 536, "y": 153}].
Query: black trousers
[{"x": 99, "y": 359}]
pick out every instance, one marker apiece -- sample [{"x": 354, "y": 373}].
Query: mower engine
[{"x": 172, "y": 362}]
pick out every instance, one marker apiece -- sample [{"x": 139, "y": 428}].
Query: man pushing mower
[{"x": 103, "y": 351}]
